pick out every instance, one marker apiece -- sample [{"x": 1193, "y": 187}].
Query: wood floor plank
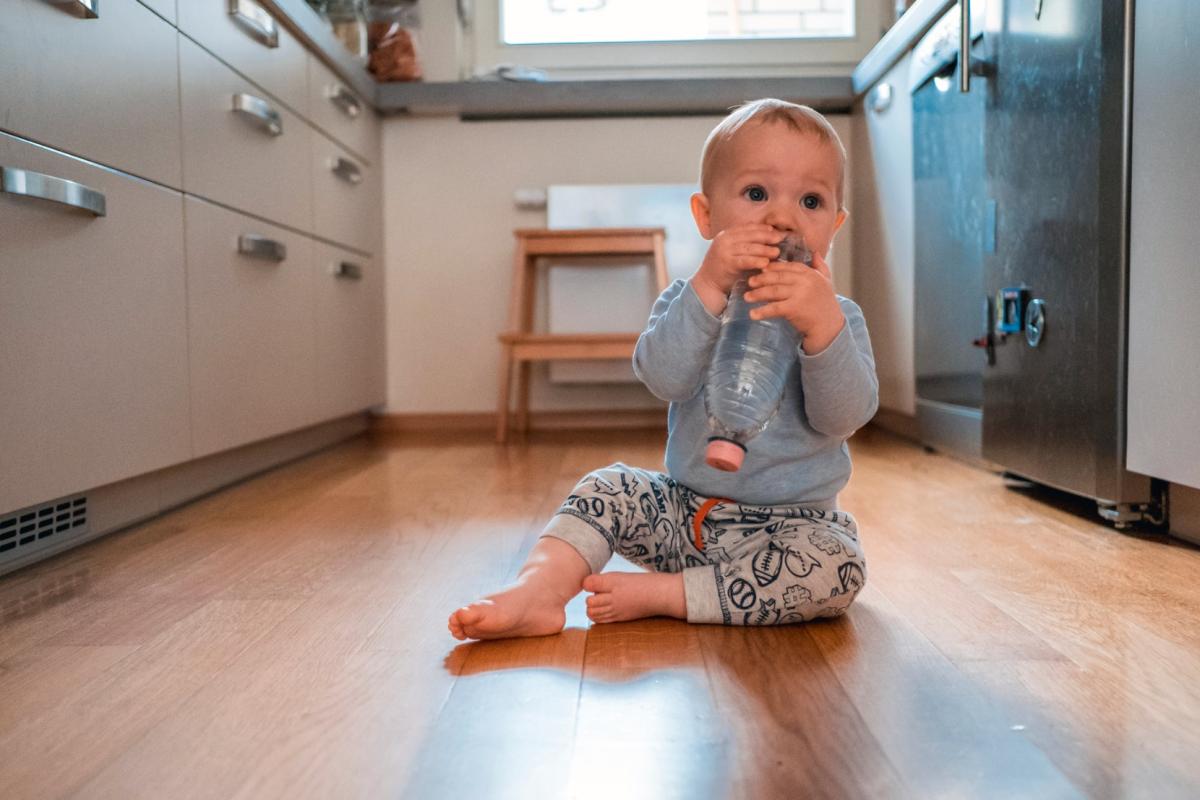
[
  {"x": 796, "y": 731},
  {"x": 52, "y": 753},
  {"x": 647, "y": 724},
  {"x": 286, "y": 638},
  {"x": 945, "y": 736}
]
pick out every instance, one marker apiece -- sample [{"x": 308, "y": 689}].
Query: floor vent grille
[{"x": 41, "y": 526}]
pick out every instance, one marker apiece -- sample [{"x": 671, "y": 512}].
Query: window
[
  {"x": 579, "y": 21},
  {"x": 675, "y": 38}
]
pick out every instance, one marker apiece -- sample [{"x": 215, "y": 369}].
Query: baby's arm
[
  {"x": 672, "y": 354},
  {"x": 841, "y": 391}
]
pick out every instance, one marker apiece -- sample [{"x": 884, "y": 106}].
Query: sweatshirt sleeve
[
  {"x": 841, "y": 391},
  {"x": 671, "y": 356}
]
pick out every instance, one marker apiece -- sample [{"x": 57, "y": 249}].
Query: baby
[{"x": 767, "y": 544}]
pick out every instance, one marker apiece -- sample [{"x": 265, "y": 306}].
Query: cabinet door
[
  {"x": 93, "y": 342},
  {"x": 247, "y": 38},
  {"x": 250, "y": 328},
  {"x": 105, "y": 88},
  {"x": 883, "y": 232},
  {"x": 235, "y": 157},
  {"x": 345, "y": 196},
  {"x": 1164, "y": 281},
  {"x": 164, "y": 8},
  {"x": 340, "y": 112},
  {"x": 350, "y": 352}
]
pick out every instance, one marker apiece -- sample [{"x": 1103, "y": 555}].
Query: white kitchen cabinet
[
  {"x": 236, "y": 157},
  {"x": 350, "y": 363},
  {"x": 164, "y": 8},
  {"x": 345, "y": 195},
  {"x": 144, "y": 359},
  {"x": 251, "y": 328},
  {"x": 1163, "y": 436},
  {"x": 105, "y": 88},
  {"x": 93, "y": 339},
  {"x": 244, "y": 36},
  {"x": 340, "y": 112},
  {"x": 883, "y": 214}
]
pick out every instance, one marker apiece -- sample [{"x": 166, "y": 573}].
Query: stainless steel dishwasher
[{"x": 1021, "y": 142}]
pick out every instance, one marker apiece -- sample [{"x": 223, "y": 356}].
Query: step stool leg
[
  {"x": 505, "y": 393},
  {"x": 523, "y": 369}
]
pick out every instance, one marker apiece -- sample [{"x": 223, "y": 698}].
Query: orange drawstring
[{"x": 697, "y": 531}]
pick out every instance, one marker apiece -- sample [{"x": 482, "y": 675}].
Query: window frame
[{"x": 765, "y": 57}]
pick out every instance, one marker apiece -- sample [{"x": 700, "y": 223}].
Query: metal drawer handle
[
  {"x": 255, "y": 246},
  {"x": 964, "y": 46},
  {"x": 342, "y": 97},
  {"x": 259, "y": 112},
  {"x": 346, "y": 169},
  {"x": 57, "y": 190},
  {"x": 347, "y": 271},
  {"x": 261, "y": 26}
]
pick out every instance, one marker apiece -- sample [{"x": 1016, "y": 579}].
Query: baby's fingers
[
  {"x": 820, "y": 266},
  {"x": 747, "y": 262},
  {"x": 769, "y": 310},
  {"x": 734, "y": 248},
  {"x": 768, "y": 293}
]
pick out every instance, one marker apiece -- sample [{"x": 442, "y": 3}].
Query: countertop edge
[
  {"x": 896, "y": 42},
  {"x": 592, "y": 98},
  {"x": 316, "y": 34}
]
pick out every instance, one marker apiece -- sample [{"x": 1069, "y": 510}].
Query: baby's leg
[
  {"x": 804, "y": 569},
  {"x": 607, "y": 507},
  {"x": 533, "y": 604},
  {"x": 623, "y": 596},
  {"x": 646, "y": 521}
]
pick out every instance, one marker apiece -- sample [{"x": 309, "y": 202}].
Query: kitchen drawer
[
  {"x": 239, "y": 40},
  {"x": 251, "y": 330},
  {"x": 341, "y": 113},
  {"x": 93, "y": 339},
  {"x": 106, "y": 89},
  {"x": 230, "y": 156},
  {"x": 350, "y": 351},
  {"x": 345, "y": 195}
]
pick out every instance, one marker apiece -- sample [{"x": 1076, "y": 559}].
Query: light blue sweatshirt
[{"x": 801, "y": 458}]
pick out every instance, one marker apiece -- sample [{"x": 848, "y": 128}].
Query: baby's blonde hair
[{"x": 801, "y": 119}]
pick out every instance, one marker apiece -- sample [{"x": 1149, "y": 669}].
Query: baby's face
[{"x": 770, "y": 173}]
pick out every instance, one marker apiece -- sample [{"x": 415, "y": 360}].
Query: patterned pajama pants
[{"x": 759, "y": 565}]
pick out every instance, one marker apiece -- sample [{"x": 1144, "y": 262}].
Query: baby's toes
[
  {"x": 598, "y": 602},
  {"x": 601, "y": 614},
  {"x": 597, "y": 583}
]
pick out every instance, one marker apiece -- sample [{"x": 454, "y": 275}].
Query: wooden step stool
[{"x": 520, "y": 345}]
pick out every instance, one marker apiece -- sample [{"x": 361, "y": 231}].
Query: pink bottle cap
[{"x": 724, "y": 455}]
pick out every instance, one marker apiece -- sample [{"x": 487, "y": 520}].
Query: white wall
[{"x": 448, "y": 222}]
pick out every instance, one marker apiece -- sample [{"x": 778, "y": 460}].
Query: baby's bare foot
[
  {"x": 523, "y": 609},
  {"x": 622, "y": 596}
]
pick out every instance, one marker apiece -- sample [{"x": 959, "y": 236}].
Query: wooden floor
[{"x": 286, "y": 638}]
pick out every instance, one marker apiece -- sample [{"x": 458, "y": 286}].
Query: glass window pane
[{"x": 582, "y": 21}]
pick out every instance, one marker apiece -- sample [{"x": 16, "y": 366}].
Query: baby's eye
[
  {"x": 755, "y": 194},
  {"x": 811, "y": 201}
]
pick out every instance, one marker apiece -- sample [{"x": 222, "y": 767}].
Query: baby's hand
[
  {"x": 803, "y": 296},
  {"x": 733, "y": 251}
]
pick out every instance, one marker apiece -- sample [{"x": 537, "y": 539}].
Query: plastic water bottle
[{"x": 749, "y": 367}]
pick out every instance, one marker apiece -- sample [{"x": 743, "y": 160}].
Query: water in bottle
[{"x": 749, "y": 366}]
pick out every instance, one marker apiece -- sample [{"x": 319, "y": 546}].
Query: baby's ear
[{"x": 701, "y": 215}]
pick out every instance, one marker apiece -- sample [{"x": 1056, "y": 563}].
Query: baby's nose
[{"x": 780, "y": 221}]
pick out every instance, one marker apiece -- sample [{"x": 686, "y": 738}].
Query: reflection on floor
[{"x": 286, "y": 638}]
